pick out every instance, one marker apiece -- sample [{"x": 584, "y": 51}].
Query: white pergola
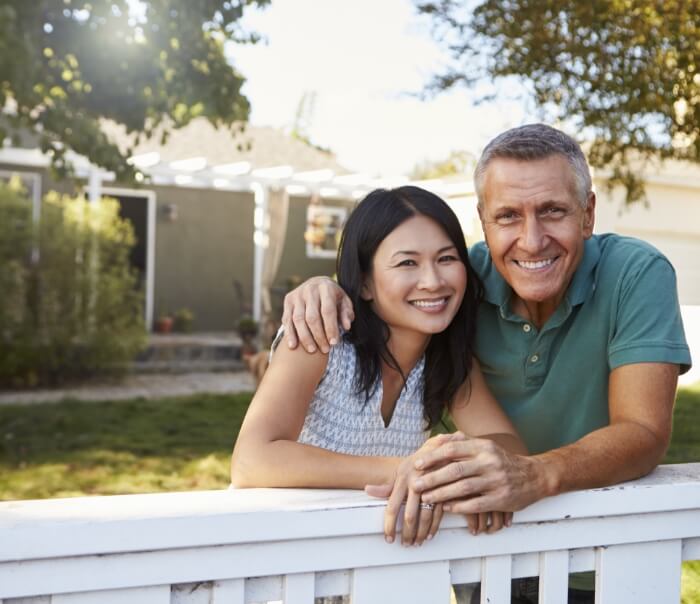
[{"x": 242, "y": 176}]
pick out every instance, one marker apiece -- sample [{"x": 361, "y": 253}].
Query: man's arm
[
  {"x": 312, "y": 312},
  {"x": 482, "y": 476}
]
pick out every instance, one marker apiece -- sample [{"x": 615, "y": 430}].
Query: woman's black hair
[{"x": 449, "y": 354}]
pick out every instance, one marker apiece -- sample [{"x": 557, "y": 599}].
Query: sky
[{"x": 363, "y": 59}]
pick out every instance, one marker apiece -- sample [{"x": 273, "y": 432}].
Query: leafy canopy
[
  {"x": 64, "y": 64},
  {"x": 622, "y": 72}
]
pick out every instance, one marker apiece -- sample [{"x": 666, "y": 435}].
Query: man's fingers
[
  {"x": 305, "y": 337},
  {"x": 474, "y": 505},
  {"x": 497, "y": 522},
  {"x": 472, "y": 523},
  {"x": 380, "y": 491},
  {"x": 448, "y": 474},
  {"x": 484, "y": 521},
  {"x": 290, "y": 333},
  {"x": 329, "y": 317},
  {"x": 347, "y": 315},
  {"x": 458, "y": 448},
  {"x": 459, "y": 489},
  {"x": 314, "y": 323}
]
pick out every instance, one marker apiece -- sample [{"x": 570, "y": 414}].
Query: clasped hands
[{"x": 452, "y": 473}]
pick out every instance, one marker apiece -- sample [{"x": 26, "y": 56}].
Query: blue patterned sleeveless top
[{"x": 339, "y": 419}]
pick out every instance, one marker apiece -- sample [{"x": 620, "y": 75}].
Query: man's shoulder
[{"x": 622, "y": 253}]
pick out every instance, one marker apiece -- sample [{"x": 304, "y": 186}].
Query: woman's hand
[{"x": 420, "y": 521}]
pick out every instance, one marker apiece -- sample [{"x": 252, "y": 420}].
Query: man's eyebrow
[{"x": 414, "y": 253}]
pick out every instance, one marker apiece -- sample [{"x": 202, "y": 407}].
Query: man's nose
[{"x": 533, "y": 237}]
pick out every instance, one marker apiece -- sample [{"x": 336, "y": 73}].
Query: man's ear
[{"x": 589, "y": 216}]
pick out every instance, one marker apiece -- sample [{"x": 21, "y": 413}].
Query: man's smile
[{"x": 535, "y": 265}]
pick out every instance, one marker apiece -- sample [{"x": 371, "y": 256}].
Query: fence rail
[{"x": 258, "y": 545}]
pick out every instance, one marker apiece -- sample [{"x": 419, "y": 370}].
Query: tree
[
  {"x": 65, "y": 64},
  {"x": 623, "y": 73},
  {"x": 456, "y": 163}
]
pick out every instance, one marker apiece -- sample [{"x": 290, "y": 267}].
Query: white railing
[{"x": 258, "y": 545}]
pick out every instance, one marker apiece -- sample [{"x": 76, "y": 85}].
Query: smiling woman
[{"x": 360, "y": 414}]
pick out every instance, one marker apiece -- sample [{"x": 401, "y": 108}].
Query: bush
[{"x": 74, "y": 310}]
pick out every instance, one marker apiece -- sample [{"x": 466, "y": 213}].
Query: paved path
[{"x": 139, "y": 386}]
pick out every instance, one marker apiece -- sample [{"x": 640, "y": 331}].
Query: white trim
[
  {"x": 150, "y": 243},
  {"x": 260, "y": 234}
]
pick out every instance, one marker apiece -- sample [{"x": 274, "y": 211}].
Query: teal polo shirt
[{"x": 621, "y": 307}]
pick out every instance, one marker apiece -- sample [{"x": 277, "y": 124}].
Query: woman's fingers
[
  {"x": 437, "y": 518},
  {"x": 411, "y": 518}
]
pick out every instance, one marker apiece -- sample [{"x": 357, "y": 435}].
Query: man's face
[{"x": 535, "y": 228}]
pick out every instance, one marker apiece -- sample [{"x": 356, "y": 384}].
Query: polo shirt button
[
  {"x": 527, "y": 328},
  {"x": 534, "y": 358}
]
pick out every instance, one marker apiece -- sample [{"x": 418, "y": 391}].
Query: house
[{"x": 213, "y": 215}]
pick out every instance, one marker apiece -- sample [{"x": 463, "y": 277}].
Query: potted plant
[
  {"x": 247, "y": 328},
  {"x": 164, "y": 322},
  {"x": 182, "y": 320}
]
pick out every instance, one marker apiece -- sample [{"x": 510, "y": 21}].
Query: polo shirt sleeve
[{"x": 647, "y": 325}]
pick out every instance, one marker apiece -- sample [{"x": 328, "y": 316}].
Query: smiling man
[{"x": 579, "y": 336}]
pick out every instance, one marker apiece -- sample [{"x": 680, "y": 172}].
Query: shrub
[{"x": 72, "y": 310}]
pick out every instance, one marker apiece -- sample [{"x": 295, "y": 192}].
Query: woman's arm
[
  {"x": 266, "y": 453},
  {"x": 477, "y": 414}
]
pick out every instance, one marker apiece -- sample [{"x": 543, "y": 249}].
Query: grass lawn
[{"x": 77, "y": 448}]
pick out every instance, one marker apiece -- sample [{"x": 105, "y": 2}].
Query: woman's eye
[
  {"x": 407, "y": 263},
  {"x": 448, "y": 258}
]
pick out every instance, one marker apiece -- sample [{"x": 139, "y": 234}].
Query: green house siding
[{"x": 202, "y": 252}]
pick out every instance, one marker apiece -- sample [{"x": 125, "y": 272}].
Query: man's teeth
[
  {"x": 535, "y": 265},
  {"x": 429, "y": 303}
]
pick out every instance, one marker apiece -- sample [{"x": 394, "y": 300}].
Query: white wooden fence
[{"x": 258, "y": 545}]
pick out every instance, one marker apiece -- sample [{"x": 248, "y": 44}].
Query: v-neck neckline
[{"x": 405, "y": 390}]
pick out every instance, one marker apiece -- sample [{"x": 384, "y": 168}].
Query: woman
[{"x": 359, "y": 415}]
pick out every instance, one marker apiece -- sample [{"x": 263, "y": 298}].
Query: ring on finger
[{"x": 426, "y": 506}]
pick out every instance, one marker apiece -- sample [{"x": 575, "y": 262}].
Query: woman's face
[{"x": 418, "y": 279}]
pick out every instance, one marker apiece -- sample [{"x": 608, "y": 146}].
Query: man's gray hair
[{"x": 532, "y": 142}]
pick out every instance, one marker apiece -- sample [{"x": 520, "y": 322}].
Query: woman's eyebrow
[{"x": 415, "y": 253}]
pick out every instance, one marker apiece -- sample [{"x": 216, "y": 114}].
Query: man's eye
[
  {"x": 506, "y": 217},
  {"x": 553, "y": 212}
]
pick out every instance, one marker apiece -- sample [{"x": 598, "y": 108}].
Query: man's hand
[
  {"x": 311, "y": 314},
  {"x": 477, "y": 476}
]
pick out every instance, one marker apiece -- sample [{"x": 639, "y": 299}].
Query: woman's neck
[{"x": 407, "y": 348}]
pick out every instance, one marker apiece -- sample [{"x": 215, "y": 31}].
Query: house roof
[{"x": 262, "y": 146}]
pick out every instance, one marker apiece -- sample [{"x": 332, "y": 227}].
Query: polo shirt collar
[{"x": 498, "y": 292}]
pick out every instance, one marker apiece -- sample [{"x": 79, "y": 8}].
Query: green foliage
[
  {"x": 74, "y": 310},
  {"x": 64, "y": 64},
  {"x": 624, "y": 72},
  {"x": 457, "y": 163},
  {"x": 182, "y": 320}
]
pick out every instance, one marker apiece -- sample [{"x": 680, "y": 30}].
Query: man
[{"x": 579, "y": 335}]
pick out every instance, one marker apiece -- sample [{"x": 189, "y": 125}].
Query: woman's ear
[{"x": 366, "y": 291}]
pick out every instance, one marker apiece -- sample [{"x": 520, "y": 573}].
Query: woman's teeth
[{"x": 429, "y": 303}]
